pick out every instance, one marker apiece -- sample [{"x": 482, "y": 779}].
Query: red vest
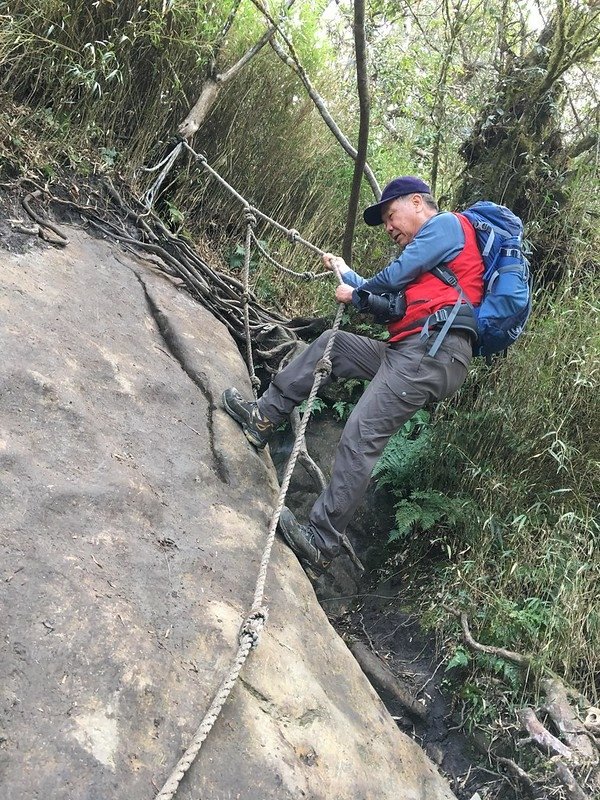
[{"x": 428, "y": 294}]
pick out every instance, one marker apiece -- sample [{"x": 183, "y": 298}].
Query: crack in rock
[{"x": 177, "y": 349}]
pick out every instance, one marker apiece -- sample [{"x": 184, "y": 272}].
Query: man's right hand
[{"x": 335, "y": 263}]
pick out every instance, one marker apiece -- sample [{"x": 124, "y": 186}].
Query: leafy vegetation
[{"x": 511, "y": 470}]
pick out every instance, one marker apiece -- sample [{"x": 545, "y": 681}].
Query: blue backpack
[{"x": 506, "y": 304}]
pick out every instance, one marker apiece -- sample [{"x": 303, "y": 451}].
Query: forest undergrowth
[{"x": 502, "y": 488}]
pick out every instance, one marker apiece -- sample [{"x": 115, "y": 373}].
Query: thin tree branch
[
  {"x": 225, "y": 29},
  {"x": 214, "y": 83},
  {"x": 499, "y": 652},
  {"x": 293, "y": 62},
  {"x": 326, "y": 115}
]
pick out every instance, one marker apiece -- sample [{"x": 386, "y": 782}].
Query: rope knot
[
  {"x": 250, "y": 216},
  {"x": 308, "y": 276},
  {"x": 323, "y": 367},
  {"x": 245, "y": 298},
  {"x": 253, "y": 625},
  {"x": 255, "y": 382},
  {"x": 294, "y": 235}
]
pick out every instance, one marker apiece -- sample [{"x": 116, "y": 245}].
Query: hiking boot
[
  {"x": 301, "y": 539},
  {"x": 258, "y": 429}
]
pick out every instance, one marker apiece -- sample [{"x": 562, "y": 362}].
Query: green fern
[
  {"x": 407, "y": 515},
  {"x": 426, "y": 510},
  {"x": 403, "y": 454}
]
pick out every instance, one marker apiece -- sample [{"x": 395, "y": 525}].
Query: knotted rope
[
  {"x": 250, "y": 223},
  {"x": 167, "y": 163},
  {"x": 306, "y": 276},
  {"x": 254, "y": 623},
  {"x": 292, "y": 234},
  {"x": 252, "y": 214}
]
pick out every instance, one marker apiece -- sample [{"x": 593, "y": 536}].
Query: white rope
[
  {"x": 255, "y": 622},
  {"x": 166, "y": 164}
]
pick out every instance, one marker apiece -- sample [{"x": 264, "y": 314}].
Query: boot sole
[{"x": 260, "y": 445}]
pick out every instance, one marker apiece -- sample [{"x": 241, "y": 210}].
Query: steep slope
[{"x": 134, "y": 517}]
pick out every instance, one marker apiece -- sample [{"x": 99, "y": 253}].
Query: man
[{"x": 404, "y": 373}]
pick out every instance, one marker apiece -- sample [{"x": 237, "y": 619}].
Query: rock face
[{"x": 134, "y": 515}]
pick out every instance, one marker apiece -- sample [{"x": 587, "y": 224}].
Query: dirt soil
[
  {"x": 380, "y": 614},
  {"x": 412, "y": 655}
]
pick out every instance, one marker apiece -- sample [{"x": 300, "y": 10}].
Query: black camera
[{"x": 387, "y": 307}]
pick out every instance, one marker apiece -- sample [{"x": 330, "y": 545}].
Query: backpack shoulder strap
[{"x": 447, "y": 275}]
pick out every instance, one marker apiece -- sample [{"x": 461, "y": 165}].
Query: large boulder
[{"x": 134, "y": 516}]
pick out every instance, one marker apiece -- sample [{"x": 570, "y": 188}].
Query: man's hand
[
  {"x": 343, "y": 293},
  {"x": 335, "y": 263}
]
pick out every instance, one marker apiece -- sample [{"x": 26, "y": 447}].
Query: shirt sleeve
[
  {"x": 439, "y": 240},
  {"x": 353, "y": 278}
]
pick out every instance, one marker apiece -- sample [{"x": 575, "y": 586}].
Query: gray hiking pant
[{"x": 404, "y": 378}]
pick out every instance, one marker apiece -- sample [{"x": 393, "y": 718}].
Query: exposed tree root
[
  {"x": 128, "y": 222},
  {"x": 43, "y": 222},
  {"x": 540, "y": 736},
  {"x": 522, "y": 776},
  {"x": 566, "y": 777},
  {"x": 571, "y": 739},
  {"x": 383, "y": 678},
  {"x": 566, "y": 721}
]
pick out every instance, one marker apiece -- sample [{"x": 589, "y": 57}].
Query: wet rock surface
[{"x": 134, "y": 517}]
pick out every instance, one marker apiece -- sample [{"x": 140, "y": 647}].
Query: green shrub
[{"x": 506, "y": 479}]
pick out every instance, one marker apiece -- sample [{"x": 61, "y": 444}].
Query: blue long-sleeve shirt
[{"x": 438, "y": 241}]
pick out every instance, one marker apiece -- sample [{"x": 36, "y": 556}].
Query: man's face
[{"x": 402, "y": 219}]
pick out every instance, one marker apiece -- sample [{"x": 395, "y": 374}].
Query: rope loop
[
  {"x": 323, "y": 367},
  {"x": 165, "y": 167},
  {"x": 250, "y": 216},
  {"x": 253, "y": 625},
  {"x": 294, "y": 235}
]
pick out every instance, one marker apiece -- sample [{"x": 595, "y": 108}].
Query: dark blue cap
[{"x": 399, "y": 187}]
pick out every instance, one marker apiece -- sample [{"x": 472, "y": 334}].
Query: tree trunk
[
  {"x": 201, "y": 108},
  {"x": 363, "y": 133},
  {"x": 515, "y": 154}
]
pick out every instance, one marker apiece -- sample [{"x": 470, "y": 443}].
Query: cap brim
[{"x": 372, "y": 214}]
